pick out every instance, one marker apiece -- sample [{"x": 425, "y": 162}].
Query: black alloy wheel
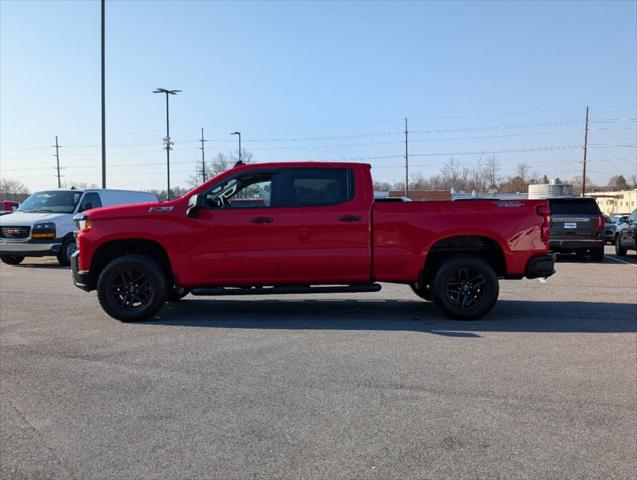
[
  {"x": 465, "y": 287},
  {"x": 131, "y": 288}
]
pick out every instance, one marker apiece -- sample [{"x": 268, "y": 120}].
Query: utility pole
[
  {"x": 103, "y": 100},
  {"x": 406, "y": 160},
  {"x": 57, "y": 158},
  {"x": 585, "y": 149},
  {"x": 203, "y": 159}
]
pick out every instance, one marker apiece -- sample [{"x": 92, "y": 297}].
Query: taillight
[
  {"x": 602, "y": 222},
  {"x": 545, "y": 229}
]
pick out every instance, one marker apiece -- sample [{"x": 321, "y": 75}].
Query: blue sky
[{"x": 317, "y": 81}]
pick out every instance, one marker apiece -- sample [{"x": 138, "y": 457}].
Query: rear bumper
[
  {"x": 30, "y": 248},
  {"x": 568, "y": 245},
  {"x": 81, "y": 278},
  {"x": 543, "y": 266}
]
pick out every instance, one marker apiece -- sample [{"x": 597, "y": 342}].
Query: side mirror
[{"x": 195, "y": 202}]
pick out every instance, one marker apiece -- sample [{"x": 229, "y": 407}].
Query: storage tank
[{"x": 546, "y": 190}]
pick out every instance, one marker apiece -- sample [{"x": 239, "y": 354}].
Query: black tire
[
  {"x": 131, "y": 288},
  {"x": 465, "y": 287},
  {"x": 597, "y": 254},
  {"x": 176, "y": 294},
  {"x": 422, "y": 292},
  {"x": 68, "y": 248},
  {"x": 619, "y": 250},
  {"x": 11, "y": 259}
]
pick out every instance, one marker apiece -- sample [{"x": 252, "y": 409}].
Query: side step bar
[{"x": 286, "y": 289}]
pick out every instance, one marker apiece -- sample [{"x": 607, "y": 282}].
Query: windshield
[{"x": 54, "y": 201}]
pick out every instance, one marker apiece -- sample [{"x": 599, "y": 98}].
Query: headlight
[
  {"x": 82, "y": 222},
  {"x": 43, "y": 230}
]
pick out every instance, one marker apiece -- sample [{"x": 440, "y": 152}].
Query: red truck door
[
  {"x": 236, "y": 242},
  {"x": 323, "y": 227}
]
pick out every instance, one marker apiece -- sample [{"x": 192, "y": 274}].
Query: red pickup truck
[{"x": 316, "y": 230}]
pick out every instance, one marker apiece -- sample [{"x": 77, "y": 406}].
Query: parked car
[
  {"x": 318, "y": 231},
  {"x": 627, "y": 236},
  {"x": 612, "y": 224},
  {"x": 43, "y": 225},
  {"x": 8, "y": 206},
  {"x": 577, "y": 226}
]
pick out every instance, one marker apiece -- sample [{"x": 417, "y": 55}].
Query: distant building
[
  {"x": 612, "y": 203},
  {"x": 545, "y": 190}
]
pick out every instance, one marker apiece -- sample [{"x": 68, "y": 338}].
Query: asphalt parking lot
[{"x": 377, "y": 386}]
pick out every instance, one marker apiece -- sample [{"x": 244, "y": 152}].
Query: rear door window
[
  {"x": 584, "y": 206},
  {"x": 311, "y": 187}
]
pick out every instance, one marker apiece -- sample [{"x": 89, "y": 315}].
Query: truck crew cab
[{"x": 316, "y": 229}]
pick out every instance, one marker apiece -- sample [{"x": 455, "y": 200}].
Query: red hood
[{"x": 136, "y": 209}]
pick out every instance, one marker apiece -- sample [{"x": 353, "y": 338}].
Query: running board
[{"x": 283, "y": 290}]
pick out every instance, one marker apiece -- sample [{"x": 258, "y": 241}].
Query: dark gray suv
[
  {"x": 627, "y": 236},
  {"x": 577, "y": 226}
]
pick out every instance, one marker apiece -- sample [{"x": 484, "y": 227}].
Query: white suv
[{"x": 43, "y": 225}]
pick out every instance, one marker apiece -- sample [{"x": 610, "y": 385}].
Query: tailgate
[{"x": 574, "y": 225}]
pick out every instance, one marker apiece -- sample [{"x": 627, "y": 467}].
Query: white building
[{"x": 612, "y": 203}]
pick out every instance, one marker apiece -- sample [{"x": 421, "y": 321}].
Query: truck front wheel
[
  {"x": 68, "y": 248},
  {"x": 131, "y": 288},
  {"x": 465, "y": 287}
]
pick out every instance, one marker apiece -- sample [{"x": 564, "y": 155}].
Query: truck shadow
[{"x": 403, "y": 315}]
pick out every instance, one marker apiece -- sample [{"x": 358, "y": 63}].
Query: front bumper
[
  {"x": 543, "y": 266},
  {"x": 81, "y": 278},
  {"x": 30, "y": 248}
]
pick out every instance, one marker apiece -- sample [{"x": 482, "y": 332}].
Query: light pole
[
  {"x": 238, "y": 133},
  {"x": 103, "y": 46},
  {"x": 167, "y": 138}
]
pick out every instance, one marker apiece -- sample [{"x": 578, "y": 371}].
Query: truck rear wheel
[
  {"x": 11, "y": 259},
  {"x": 131, "y": 288},
  {"x": 465, "y": 287}
]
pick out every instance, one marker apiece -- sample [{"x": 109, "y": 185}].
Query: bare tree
[
  {"x": 382, "y": 186},
  {"x": 618, "y": 182},
  {"x": 454, "y": 175},
  {"x": 577, "y": 184},
  {"x": 523, "y": 171},
  {"x": 219, "y": 164},
  {"x": 493, "y": 167},
  {"x": 12, "y": 189}
]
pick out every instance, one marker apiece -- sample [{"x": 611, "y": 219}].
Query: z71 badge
[{"x": 160, "y": 209}]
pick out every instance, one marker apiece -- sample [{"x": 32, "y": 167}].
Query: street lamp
[
  {"x": 238, "y": 133},
  {"x": 167, "y": 141}
]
